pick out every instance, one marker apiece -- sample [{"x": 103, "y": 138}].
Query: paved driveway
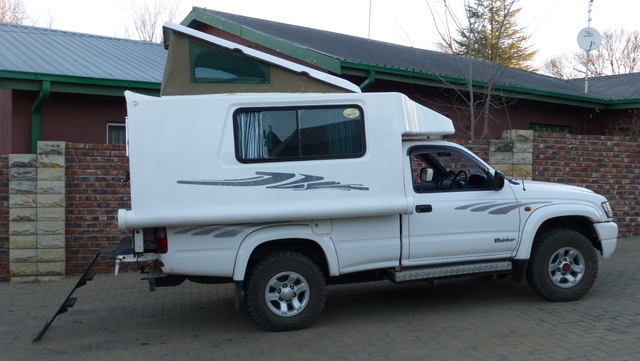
[{"x": 117, "y": 318}]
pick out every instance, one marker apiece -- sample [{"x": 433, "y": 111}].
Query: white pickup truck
[{"x": 282, "y": 194}]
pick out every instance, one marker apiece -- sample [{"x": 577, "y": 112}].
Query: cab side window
[{"x": 442, "y": 169}]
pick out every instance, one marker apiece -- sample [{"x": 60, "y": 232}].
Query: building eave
[
  {"x": 440, "y": 81},
  {"x": 74, "y": 84}
]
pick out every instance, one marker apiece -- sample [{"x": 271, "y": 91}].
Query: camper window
[
  {"x": 212, "y": 65},
  {"x": 264, "y": 135}
]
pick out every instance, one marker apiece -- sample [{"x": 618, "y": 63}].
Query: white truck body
[{"x": 399, "y": 204}]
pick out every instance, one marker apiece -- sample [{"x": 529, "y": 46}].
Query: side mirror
[
  {"x": 426, "y": 174},
  {"x": 498, "y": 180}
]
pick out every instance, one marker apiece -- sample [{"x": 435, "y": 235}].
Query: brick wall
[
  {"x": 95, "y": 192},
  {"x": 479, "y": 147},
  {"x": 609, "y": 166},
  {"x": 4, "y": 218}
]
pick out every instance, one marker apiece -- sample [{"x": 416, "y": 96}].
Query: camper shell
[{"x": 191, "y": 154}]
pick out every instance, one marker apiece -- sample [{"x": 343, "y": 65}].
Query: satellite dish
[{"x": 589, "y": 38}]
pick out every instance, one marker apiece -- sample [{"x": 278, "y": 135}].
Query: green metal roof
[
  {"x": 350, "y": 55},
  {"x": 76, "y": 62}
]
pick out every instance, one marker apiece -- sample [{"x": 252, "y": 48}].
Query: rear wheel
[
  {"x": 563, "y": 265},
  {"x": 285, "y": 291}
]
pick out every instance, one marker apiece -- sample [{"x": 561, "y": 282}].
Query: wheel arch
[
  {"x": 299, "y": 239},
  {"x": 563, "y": 265},
  {"x": 579, "y": 218}
]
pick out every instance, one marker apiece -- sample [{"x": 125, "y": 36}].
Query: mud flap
[
  {"x": 519, "y": 269},
  {"x": 239, "y": 293}
]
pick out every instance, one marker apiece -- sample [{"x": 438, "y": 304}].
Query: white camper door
[{"x": 457, "y": 217}]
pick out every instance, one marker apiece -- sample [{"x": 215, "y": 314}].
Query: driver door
[{"x": 459, "y": 215}]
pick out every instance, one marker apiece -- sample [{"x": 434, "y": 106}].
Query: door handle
[{"x": 424, "y": 208}]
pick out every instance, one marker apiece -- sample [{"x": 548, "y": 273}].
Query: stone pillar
[
  {"x": 23, "y": 218},
  {"x": 37, "y": 214},
  {"x": 513, "y": 155}
]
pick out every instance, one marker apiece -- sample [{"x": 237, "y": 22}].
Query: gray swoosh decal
[
  {"x": 276, "y": 180},
  {"x": 264, "y": 179},
  {"x": 496, "y": 208}
]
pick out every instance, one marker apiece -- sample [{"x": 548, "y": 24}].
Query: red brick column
[{"x": 95, "y": 191}]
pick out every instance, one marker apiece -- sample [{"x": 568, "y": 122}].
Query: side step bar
[{"x": 443, "y": 272}]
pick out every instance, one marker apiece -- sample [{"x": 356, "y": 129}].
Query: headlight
[{"x": 607, "y": 209}]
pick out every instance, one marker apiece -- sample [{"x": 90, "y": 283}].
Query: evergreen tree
[{"x": 492, "y": 34}]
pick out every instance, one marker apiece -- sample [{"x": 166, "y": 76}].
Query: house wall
[
  {"x": 20, "y": 122},
  {"x": 609, "y": 165},
  {"x": 67, "y": 117},
  {"x": 5, "y": 121},
  {"x": 512, "y": 114},
  {"x": 86, "y": 115}
]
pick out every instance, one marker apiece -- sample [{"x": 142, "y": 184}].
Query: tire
[
  {"x": 285, "y": 291},
  {"x": 563, "y": 265}
]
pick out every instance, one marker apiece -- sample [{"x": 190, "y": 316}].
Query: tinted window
[
  {"x": 299, "y": 134},
  {"x": 446, "y": 169},
  {"x": 213, "y": 65}
]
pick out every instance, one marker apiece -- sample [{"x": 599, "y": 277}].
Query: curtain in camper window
[{"x": 250, "y": 135}]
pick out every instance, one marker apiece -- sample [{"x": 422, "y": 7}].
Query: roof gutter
[
  {"x": 370, "y": 79},
  {"x": 45, "y": 92},
  {"x": 75, "y": 84},
  {"x": 417, "y": 77}
]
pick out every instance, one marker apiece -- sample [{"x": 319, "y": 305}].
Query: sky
[{"x": 552, "y": 24}]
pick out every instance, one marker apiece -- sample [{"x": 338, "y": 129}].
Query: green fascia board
[
  {"x": 74, "y": 84},
  {"x": 311, "y": 57},
  {"x": 624, "y": 104},
  {"x": 417, "y": 77}
]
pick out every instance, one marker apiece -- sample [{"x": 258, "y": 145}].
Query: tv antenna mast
[{"x": 588, "y": 39}]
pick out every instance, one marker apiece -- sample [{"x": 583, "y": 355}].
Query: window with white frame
[{"x": 116, "y": 133}]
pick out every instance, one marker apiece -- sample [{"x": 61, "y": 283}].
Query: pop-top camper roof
[{"x": 199, "y": 63}]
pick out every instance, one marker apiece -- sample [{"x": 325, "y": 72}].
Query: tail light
[{"x": 161, "y": 239}]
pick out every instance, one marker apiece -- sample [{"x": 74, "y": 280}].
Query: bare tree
[
  {"x": 618, "y": 53},
  {"x": 13, "y": 11},
  {"x": 148, "y": 17},
  {"x": 483, "y": 35},
  {"x": 561, "y": 66}
]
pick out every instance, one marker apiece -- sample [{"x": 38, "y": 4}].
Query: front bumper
[{"x": 608, "y": 235}]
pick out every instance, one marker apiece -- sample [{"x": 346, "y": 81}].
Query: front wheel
[
  {"x": 285, "y": 291},
  {"x": 563, "y": 265}
]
